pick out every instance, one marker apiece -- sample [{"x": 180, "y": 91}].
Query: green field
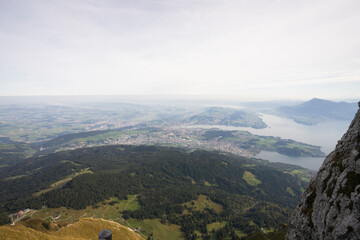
[
  {"x": 43, "y": 122},
  {"x": 251, "y": 179},
  {"x": 155, "y": 228},
  {"x": 303, "y": 175},
  {"x": 202, "y": 203},
  {"x": 216, "y": 226}
]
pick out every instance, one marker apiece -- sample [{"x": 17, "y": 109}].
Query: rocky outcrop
[{"x": 330, "y": 206}]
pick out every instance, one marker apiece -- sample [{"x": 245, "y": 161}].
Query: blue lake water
[
  {"x": 307, "y": 162},
  {"x": 325, "y": 135}
]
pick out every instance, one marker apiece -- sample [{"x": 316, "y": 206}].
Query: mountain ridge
[
  {"x": 330, "y": 206},
  {"x": 318, "y": 110},
  {"x": 227, "y": 117}
]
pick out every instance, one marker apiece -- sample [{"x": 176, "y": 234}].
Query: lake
[
  {"x": 325, "y": 135},
  {"x": 312, "y": 163}
]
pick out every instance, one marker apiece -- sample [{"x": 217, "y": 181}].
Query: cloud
[{"x": 177, "y": 47}]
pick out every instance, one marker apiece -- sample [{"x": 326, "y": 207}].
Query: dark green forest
[{"x": 163, "y": 178}]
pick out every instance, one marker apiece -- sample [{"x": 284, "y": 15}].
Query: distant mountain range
[{"x": 318, "y": 110}]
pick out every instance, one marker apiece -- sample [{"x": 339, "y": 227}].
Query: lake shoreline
[{"x": 324, "y": 134}]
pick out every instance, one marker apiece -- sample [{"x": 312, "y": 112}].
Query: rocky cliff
[{"x": 330, "y": 206}]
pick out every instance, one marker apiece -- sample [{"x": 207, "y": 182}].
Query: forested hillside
[{"x": 168, "y": 182}]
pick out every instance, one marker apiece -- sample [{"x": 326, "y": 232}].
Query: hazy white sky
[{"x": 241, "y": 48}]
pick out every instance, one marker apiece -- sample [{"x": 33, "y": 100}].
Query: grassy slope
[
  {"x": 216, "y": 225},
  {"x": 154, "y": 226},
  {"x": 112, "y": 212},
  {"x": 251, "y": 178},
  {"x": 101, "y": 210},
  {"x": 85, "y": 228},
  {"x": 202, "y": 203}
]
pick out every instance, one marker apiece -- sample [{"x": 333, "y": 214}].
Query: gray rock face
[{"x": 330, "y": 206}]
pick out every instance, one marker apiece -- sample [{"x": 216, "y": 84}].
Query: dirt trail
[{"x": 130, "y": 201}]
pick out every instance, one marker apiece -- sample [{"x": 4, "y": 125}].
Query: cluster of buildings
[
  {"x": 179, "y": 136},
  {"x": 17, "y": 216}
]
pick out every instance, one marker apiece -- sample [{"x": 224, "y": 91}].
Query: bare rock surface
[{"x": 330, "y": 207}]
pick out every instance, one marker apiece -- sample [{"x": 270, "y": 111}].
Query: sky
[{"x": 246, "y": 49}]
